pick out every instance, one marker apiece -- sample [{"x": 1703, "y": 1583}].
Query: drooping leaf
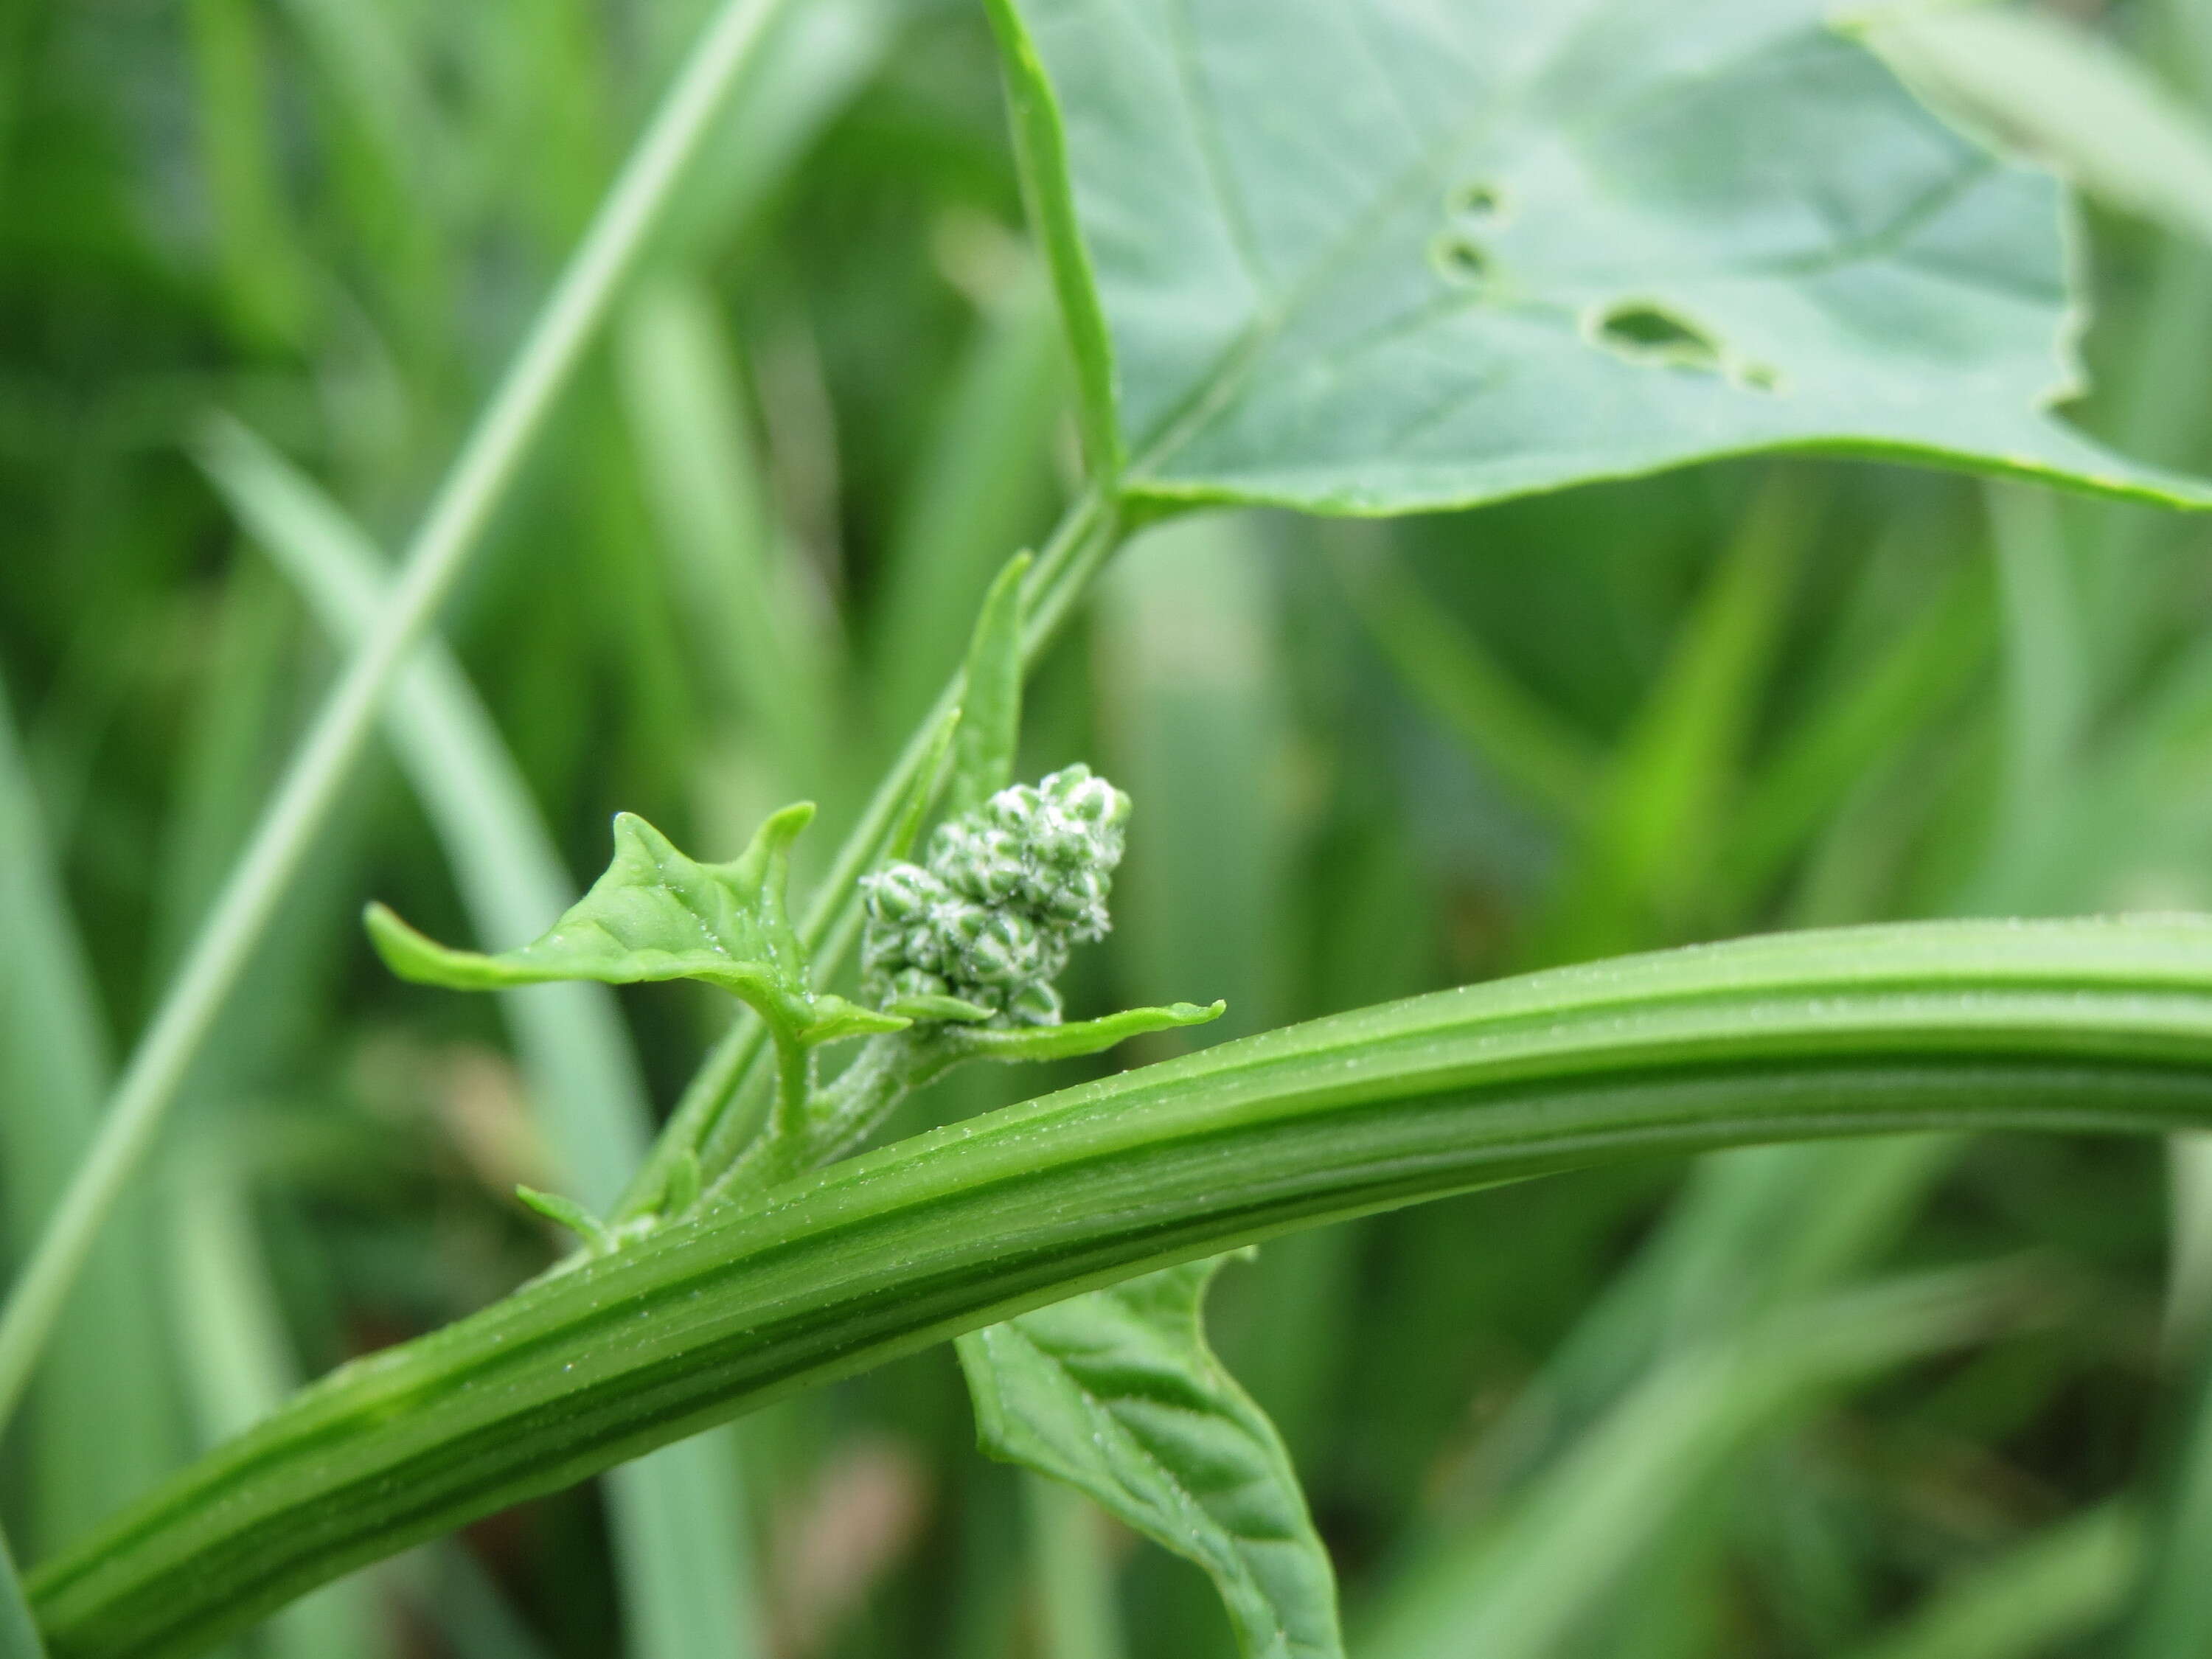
[
  {"x": 990, "y": 696},
  {"x": 656, "y": 915},
  {"x": 1116, "y": 1393},
  {"x": 1379, "y": 256}
]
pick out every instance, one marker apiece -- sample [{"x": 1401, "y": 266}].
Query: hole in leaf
[
  {"x": 1647, "y": 333},
  {"x": 1476, "y": 201},
  {"x": 1460, "y": 258}
]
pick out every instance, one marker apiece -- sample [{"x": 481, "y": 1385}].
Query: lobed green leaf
[{"x": 656, "y": 915}]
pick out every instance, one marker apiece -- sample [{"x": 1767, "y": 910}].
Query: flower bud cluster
[{"x": 1009, "y": 889}]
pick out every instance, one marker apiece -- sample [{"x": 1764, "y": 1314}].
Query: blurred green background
[{"x": 1663, "y": 1410}]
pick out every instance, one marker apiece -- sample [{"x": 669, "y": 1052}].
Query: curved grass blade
[
  {"x": 452, "y": 528},
  {"x": 2057, "y": 1588},
  {"x": 2083, "y": 1025},
  {"x": 1117, "y": 1395},
  {"x": 114, "y": 1428},
  {"x": 990, "y": 726},
  {"x": 676, "y": 1520},
  {"x": 1519, "y": 1588}
]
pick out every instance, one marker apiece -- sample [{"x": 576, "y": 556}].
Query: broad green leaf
[
  {"x": 990, "y": 696},
  {"x": 1379, "y": 256},
  {"x": 656, "y": 915},
  {"x": 1116, "y": 1393}
]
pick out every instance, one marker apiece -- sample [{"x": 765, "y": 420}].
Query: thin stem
[
  {"x": 451, "y": 529},
  {"x": 1087, "y": 533},
  {"x": 795, "y": 1082}
]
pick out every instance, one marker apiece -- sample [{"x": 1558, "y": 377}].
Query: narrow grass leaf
[
  {"x": 19, "y": 1631},
  {"x": 1460, "y": 682},
  {"x": 757, "y": 639},
  {"x": 990, "y": 728},
  {"x": 980, "y": 486},
  {"x": 1073, "y": 1573},
  {"x": 452, "y": 528},
  {"x": 1518, "y": 1589},
  {"x": 677, "y": 1525},
  {"x": 2044, "y": 1595},
  {"x": 1652, "y": 847},
  {"x": 108, "y": 1422},
  {"x": 1814, "y": 764}
]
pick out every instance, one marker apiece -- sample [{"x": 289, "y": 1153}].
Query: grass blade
[
  {"x": 451, "y": 531},
  {"x": 1649, "y": 850},
  {"x": 115, "y": 1428},
  {"x": 19, "y": 1632},
  {"x": 1519, "y": 1591},
  {"x": 679, "y": 1531},
  {"x": 2038, "y": 1597},
  {"x": 1456, "y": 675},
  {"x": 754, "y": 626}
]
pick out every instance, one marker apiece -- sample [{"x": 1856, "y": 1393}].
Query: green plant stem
[
  {"x": 2090, "y": 1026},
  {"x": 1086, "y": 535},
  {"x": 452, "y": 528}
]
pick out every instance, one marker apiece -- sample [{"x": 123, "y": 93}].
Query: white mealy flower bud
[{"x": 1010, "y": 887}]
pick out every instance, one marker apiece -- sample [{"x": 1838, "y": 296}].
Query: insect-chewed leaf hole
[
  {"x": 1460, "y": 259},
  {"x": 1646, "y": 332},
  {"x": 1474, "y": 200}
]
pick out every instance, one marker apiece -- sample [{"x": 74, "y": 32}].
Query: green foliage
[
  {"x": 656, "y": 915},
  {"x": 1506, "y": 248},
  {"x": 1372, "y": 257},
  {"x": 1116, "y": 1393},
  {"x": 990, "y": 727}
]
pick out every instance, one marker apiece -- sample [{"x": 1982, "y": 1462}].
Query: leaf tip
[{"x": 410, "y": 954}]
